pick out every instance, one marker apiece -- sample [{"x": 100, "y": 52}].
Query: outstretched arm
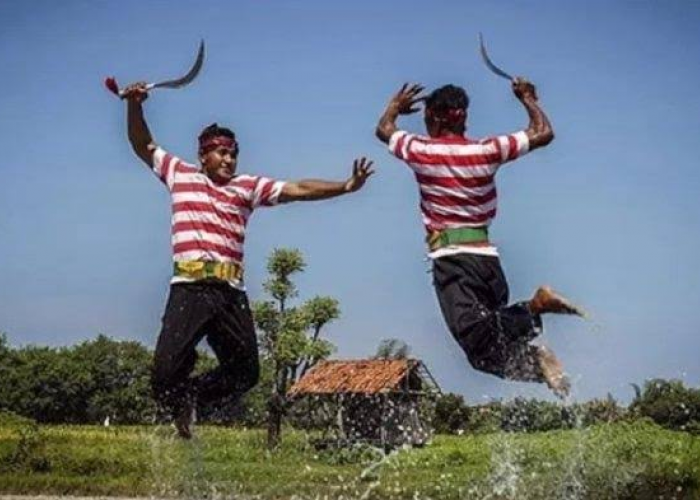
[
  {"x": 402, "y": 103},
  {"x": 139, "y": 134},
  {"x": 313, "y": 189},
  {"x": 539, "y": 132}
]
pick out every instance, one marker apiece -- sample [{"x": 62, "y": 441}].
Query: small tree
[{"x": 289, "y": 336}]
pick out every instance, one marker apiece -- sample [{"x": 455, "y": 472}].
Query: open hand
[
  {"x": 406, "y": 99},
  {"x": 523, "y": 89},
  {"x": 361, "y": 170},
  {"x": 136, "y": 92}
]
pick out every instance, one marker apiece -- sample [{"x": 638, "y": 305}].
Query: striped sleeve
[
  {"x": 400, "y": 144},
  {"x": 508, "y": 147},
  {"x": 266, "y": 192},
  {"x": 165, "y": 166}
]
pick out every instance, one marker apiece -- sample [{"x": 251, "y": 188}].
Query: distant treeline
[{"x": 104, "y": 378}]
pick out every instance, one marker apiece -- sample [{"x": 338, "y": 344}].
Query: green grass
[{"x": 625, "y": 461}]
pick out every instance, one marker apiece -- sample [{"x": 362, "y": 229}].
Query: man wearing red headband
[
  {"x": 455, "y": 175},
  {"x": 211, "y": 205}
]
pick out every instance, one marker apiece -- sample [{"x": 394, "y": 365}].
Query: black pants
[
  {"x": 473, "y": 295},
  {"x": 215, "y": 310}
]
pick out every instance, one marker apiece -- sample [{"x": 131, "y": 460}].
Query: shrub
[
  {"x": 601, "y": 411},
  {"x": 535, "y": 416},
  {"x": 668, "y": 403},
  {"x": 451, "y": 414}
]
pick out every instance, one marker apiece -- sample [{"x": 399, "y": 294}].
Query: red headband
[
  {"x": 211, "y": 143},
  {"x": 453, "y": 116}
]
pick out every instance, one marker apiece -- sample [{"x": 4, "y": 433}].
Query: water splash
[{"x": 505, "y": 478}]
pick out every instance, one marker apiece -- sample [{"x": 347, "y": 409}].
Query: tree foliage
[
  {"x": 392, "y": 349},
  {"x": 81, "y": 384},
  {"x": 289, "y": 335}
]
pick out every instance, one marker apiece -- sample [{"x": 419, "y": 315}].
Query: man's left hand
[{"x": 524, "y": 90}]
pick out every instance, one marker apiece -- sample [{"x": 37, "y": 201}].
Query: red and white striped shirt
[
  {"x": 208, "y": 220},
  {"x": 456, "y": 178}
]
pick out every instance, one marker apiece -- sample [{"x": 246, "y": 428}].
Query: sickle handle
[{"x": 111, "y": 84}]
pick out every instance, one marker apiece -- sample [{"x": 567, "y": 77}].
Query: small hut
[{"x": 377, "y": 401}]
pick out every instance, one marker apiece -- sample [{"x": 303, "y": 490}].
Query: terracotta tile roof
[{"x": 369, "y": 376}]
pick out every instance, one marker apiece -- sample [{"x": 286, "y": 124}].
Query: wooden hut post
[{"x": 339, "y": 415}]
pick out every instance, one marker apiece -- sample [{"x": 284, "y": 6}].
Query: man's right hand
[
  {"x": 139, "y": 136},
  {"x": 405, "y": 100},
  {"x": 402, "y": 103},
  {"x": 135, "y": 92}
]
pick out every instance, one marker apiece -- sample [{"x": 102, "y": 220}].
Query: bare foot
[
  {"x": 553, "y": 372},
  {"x": 184, "y": 421},
  {"x": 547, "y": 300}
]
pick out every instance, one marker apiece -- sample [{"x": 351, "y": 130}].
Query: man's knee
[
  {"x": 241, "y": 377},
  {"x": 250, "y": 376},
  {"x": 167, "y": 379}
]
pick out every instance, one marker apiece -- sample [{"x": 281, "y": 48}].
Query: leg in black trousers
[
  {"x": 473, "y": 296},
  {"x": 186, "y": 315},
  {"x": 221, "y": 312},
  {"x": 232, "y": 338}
]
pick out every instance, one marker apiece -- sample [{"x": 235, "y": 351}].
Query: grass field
[{"x": 625, "y": 461}]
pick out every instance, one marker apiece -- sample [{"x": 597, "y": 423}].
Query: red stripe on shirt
[
  {"x": 195, "y": 206},
  {"x": 167, "y": 163},
  {"x": 455, "y": 160},
  {"x": 194, "y": 187},
  {"x": 399, "y": 146},
  {"x": 450, "y": 200},
  {"x": 512, "y": 148},
  {"x": 454, "y": 182},
  {"x": 207, "y": 227},
  {"x": 266, "y": 193},
  {"x": 248, "y": 184}
]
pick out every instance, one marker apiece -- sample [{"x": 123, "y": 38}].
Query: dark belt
[{"x": 456, "y": 236}]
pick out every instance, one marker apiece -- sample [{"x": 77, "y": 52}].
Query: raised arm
[
  {"x": 139, "y": 134},
  {"x": 402, "y": 103},
  {"x": 539, "y": 132},
  {"x": 313, "y": 189}
]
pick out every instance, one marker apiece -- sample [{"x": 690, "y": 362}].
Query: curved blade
[
  {"x": 191, "y": 74},
  {"x": 488, "y": 61}
]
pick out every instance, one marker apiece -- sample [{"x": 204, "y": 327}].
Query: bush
[
  {"x": 668, "y": 403},
  {"x": 535, "y": 416},
  {"x": 601, "y": 411},
  {"x": 79, "y": 384},
  {"x": 451, "y": 414},
  {"x": 485, "y": 418},
  {"x": 82, "y": 384}
]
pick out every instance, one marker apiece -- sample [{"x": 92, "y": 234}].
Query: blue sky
[{"x": 608, "y": 214}]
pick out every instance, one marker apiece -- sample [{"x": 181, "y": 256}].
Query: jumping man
[
  {"x": 211, "y": 205},
  {"x": 455, "y": 175}
]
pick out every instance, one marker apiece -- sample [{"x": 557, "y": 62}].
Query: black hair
[
  {"x": 447, "y": 97},
  {"x": 214, "y": 130}
]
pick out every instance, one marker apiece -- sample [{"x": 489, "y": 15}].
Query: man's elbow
[
  {"x": 547, "y": 137},
  {"x": 381, "y": 134},
  {"x": 143, "y": 151},
  {"x": 542, "y": 138}
]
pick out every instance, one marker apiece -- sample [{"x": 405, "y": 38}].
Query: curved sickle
[
  {"x": 112, "y": 86},
  {"x": 191, "y": 74},
  {"x": 490, "y": 63}
]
